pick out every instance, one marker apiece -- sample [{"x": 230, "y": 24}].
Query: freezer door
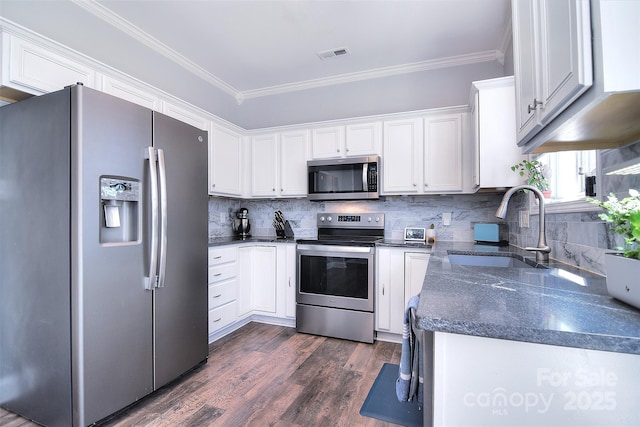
[
  {"x": 112, "y": 310},
  {"x": 180, "y": 301},
  {"x": 35, "y": 299}
]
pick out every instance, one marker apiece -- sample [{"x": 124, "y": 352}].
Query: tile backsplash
[
  {"x": 400, "y": 212},
  {"x": 579, "y": 239}
]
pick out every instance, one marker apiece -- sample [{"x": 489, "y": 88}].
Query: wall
[{"x": 400, "y": 212}]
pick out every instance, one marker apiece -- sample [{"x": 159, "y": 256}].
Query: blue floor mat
[{"x": 382, "y": 403}]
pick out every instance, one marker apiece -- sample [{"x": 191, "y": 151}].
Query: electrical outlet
[
  {"x": 446, "y": 218},
  {"x": 524, "y": 219}
]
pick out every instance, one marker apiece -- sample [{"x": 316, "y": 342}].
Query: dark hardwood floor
[{"x": 265, "y": 375}]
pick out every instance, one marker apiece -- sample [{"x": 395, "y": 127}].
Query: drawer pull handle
[
  {"x": 217, "y": 257},
  {"x": 217, "y": 274},
  {"x": 217, "y": 320},
  {"x": 217, "y": 296}
]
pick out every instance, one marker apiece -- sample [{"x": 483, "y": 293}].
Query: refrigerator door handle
[
  {"x": 162, "y": 175},
  {"x": 152, "y": 279}
]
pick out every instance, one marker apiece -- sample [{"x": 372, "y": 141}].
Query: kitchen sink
[{"x": 506, "y": 260}]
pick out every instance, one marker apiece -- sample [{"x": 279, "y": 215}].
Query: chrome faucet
[{"x": 543, "y": 250}]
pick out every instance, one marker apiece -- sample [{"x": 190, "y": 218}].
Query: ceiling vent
[{"x": 333, "y": 53}]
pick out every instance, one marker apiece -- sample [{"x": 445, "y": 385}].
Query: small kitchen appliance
[
  {"x": 491, "y": 234},
  {"x": 242, "y": 225}
]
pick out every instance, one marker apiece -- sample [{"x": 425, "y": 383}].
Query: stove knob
[
  {"x": 369, "y": 219},
  {"x": 321, "y": 219},
  {"x": 377, "y": 219},
  {"x": 329, "y": 218}
]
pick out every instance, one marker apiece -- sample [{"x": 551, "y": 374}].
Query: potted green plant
[
  {"x": 623, "y": 267},
  {"x": 536, "y": 174}
]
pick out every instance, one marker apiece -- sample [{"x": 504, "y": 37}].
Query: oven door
[{"x": 335, "y": 276}]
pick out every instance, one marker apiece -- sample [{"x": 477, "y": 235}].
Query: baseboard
[{"x": 252, "y": 318}]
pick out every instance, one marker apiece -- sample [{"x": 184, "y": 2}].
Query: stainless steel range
[{"x": 334, "y": 295}]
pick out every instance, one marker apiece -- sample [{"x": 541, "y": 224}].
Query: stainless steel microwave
[{"x": 351, "y": 178}]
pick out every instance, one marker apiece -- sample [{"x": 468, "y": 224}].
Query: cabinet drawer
[
  {"x": 222, "y": 293},
  {"x": 218, "y": 273},
  {"x": 222, "y": 316},
  {"x": 222, "y": 255}
]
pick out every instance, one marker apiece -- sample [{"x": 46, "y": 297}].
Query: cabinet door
[
  {"x": 186, "y": 115},
  {"x": 36, "y": 70},
  {"x": 290, "y": 281},
  {"x": 389, "y": 290},
  {"x": 263, "y": 283},
  {"x": 225, "y": 150},
  {"x": 495, "y": 133},
  {"x": 415, "y": 268},
  {"x": 565, "y": 63},
  {"x": 245, "y": 278},
  {"x": 443, "y": 153},
  {"x": 327, "y": 142},
  {"x": 294, "y": 153},
  {"x": 264, "y": 155},
  {"x": 402, "y": 156},
  {"x": 524, "y": 58},
  {"x": 131, "y": 93},
  {"x": 364, "y": 139},
  {"x": 383, "y": 283}
]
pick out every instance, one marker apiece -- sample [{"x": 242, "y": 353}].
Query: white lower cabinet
[
  {"x": 263, "y": 280},
  {"x": 223, "y": 287},
  {"x": 286, "y": 280},
  {"x": 399, "y": 276},
  {"x": 257, "y": 278}
]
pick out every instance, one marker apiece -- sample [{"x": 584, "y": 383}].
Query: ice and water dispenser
[{"x": 120, "y": 199}]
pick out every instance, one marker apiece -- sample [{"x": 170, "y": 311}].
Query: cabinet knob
[
  {"x": 213, "y": 185},
  {"x": 273, "y": 189},
  {"x": 415, "y": 185},
  {"x": 338, "y": 150},
  {"x": 281, "y": 190}
]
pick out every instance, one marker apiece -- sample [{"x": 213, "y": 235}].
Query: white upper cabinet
[
  {"x": 279, "y": 164},
  {"x": 225, "y": 162},
  {"x": 364, "y": 139},
  {"x": 185, "y": 114},
  {"x": 552, "y": 59},
  {"x": 264, "y": 165},
  {"x": 402, "y": 156},
  {"x": 357, "y": 139},
  {"x": 294, "y": 153},
  {"x": 494, "y": 134},
  {"x": 327, "y": 142},
  {"x": 36, "y": 70},
  {"x": 443, "y": 153},
  {"x": 130, "y": 93},
  {"x": 423, "y": 155}
]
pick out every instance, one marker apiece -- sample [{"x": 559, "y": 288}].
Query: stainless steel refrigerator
[{"x": 103, "y": 254}]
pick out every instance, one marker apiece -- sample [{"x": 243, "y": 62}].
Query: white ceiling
[{"x": 251, "y": 48}]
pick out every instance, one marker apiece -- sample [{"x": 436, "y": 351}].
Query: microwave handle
[{"x": 365, "y": 183}]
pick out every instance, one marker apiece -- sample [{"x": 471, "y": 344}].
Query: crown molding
[
  {"x": 116, "y": 21},
  {"x": 415, "y": 67}
]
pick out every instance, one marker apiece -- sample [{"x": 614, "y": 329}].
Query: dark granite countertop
[
  {"x": 228, "y": 240},
  {"x": 560, "y": 305}
]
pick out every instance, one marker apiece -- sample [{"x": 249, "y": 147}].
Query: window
[{"x": 567, "y": 172}]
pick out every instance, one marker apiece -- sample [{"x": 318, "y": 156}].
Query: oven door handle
[{"x": 336, "y": 248}]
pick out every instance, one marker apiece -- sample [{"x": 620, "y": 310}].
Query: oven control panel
[{"x": 343, "y": 220}]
